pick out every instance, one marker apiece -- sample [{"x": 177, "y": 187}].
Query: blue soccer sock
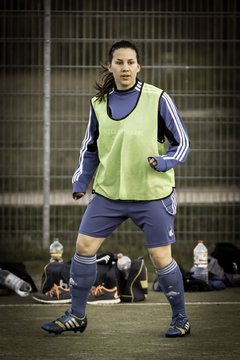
[
  {"x": 82, "y": 276},
  {"x": 171, "y": 282}
]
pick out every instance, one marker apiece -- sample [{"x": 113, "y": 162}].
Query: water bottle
[
  {"x": 200, "y": 262},
  {"x": 14, "y": 283},
  {"x": 56, "y": 251},
  {"x": 124, "y": 265}
]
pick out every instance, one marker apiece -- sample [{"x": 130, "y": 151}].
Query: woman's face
[{"x": 124, "y": 67}]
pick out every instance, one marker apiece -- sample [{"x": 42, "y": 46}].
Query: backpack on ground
[
  {"x": 228, "y": 256},
  {"x": 59, "y": 273},
  {"x": 135, "y": 287},
  {"x": 55, "y": 273}
]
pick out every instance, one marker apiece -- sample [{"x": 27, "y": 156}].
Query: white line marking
[{"x": 131, "y": 304}]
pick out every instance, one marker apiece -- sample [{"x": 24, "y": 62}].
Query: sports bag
[
  {"x": 135, "y": 288},
  {"x": 55, "y": 273},
  {"x": 228, "y": 256},
  {"x": 59, "y": 273}
]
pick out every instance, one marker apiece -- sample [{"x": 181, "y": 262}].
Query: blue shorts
[{"x": 155, "y": 218}]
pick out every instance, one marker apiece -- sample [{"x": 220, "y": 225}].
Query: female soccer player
[{"x": 134, "y": 178}]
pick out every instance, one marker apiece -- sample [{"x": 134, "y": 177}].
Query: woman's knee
[
  {"x": 87, "y": 245},
  {"x": 160, "y": 256}
]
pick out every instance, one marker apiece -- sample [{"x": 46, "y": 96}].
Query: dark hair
[{"x": 107, "y": 82}]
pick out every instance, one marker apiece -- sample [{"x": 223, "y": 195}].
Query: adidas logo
[
  {"x": 72, "y": 282},
  {"x": 63, "y": 285},
  {"x": 70, "y": 324},
  {"x": 171, "y": 233},
  {"x": 172, "y": 293}
]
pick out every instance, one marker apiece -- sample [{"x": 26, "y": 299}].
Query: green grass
[{"x": 124, "y": 331}]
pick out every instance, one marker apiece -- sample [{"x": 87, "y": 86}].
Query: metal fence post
[{"x": 46, "y": 122}]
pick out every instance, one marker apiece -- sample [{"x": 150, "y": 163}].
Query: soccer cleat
[
  {"x": 102, "y": 295},
  {"x": 180, "y": 326},
  {"x": 57, "y": 295},
  {"x": 67, "y": 322}
]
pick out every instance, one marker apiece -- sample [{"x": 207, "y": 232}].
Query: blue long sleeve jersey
[{"x": 120, "y": 104}]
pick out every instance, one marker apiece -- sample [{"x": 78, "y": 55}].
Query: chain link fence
[{"x": 50, "y": 55}]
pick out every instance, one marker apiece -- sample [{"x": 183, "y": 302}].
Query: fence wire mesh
[{"x": 188, "y": 47}]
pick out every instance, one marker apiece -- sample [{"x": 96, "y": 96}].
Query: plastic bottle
[
  {"x": 200, "y": 262},
  {"x": 124, "y": 265},
  {"x": 56, "y": 251},
  {"x": 14, "y": 283}
]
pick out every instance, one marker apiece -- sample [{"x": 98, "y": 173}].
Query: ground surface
[{"x": 124, "y": 331}]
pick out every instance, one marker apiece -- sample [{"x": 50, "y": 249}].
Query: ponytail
[{"x": 106, "y": 85}]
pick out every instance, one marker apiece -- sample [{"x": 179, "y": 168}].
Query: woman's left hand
[{"x": 152, "y": 162}]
